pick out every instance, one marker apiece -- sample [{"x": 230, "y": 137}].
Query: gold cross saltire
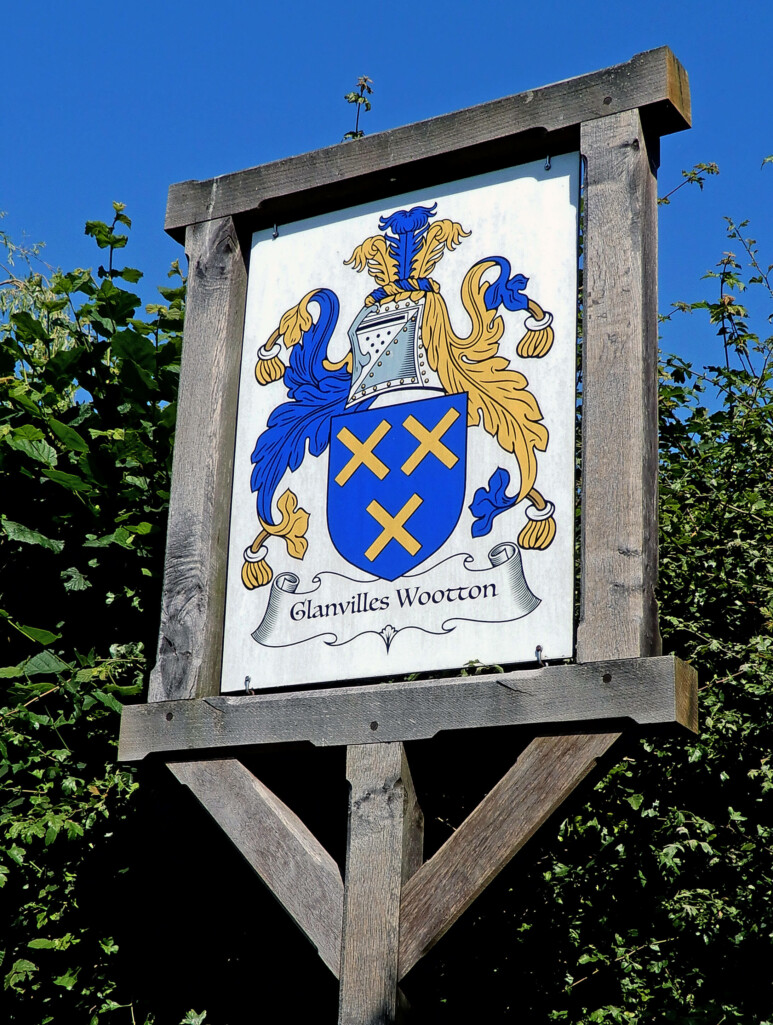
[
  {"x": 394, "y": 528},
  {"x": 362, "y": 453},
  {"x": 430, "y": 441}
]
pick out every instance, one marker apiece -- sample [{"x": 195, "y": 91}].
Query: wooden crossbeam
[
  {"x": 645, "y": 691},
  {"x": 440, "y": 149},
  {"x": 290, "y": 861}
]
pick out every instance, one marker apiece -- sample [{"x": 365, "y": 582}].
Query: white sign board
[{"x": 403, "y": 495}]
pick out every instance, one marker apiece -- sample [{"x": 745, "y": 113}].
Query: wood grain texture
[
  {"x": 687, "y": 695},
  {"x": 380, "y": 798},
  {"x": 544, "y": 775},
  {"x": 190, "y": 641},
  {"x": 441, "y": 149},
  {"x": 290, "y": 861},
  {"x": 618, "y": 610},
  {"x": 646, "y": 691},
  {"x": 413, "y": 827}
]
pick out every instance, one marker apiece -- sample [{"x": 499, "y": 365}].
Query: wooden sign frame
[{"x": 615, "y": 118}]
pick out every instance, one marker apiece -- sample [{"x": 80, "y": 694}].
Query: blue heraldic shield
[{"x": 396, "y": 482}]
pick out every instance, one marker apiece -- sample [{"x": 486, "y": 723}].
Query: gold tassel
[
  {"x": 538, "y": 534},
  {"x": 292, "y": 527},
  {"x": 256, "y": 572},
  {"x": 538, "y": 339},
  {"x": 269, "y": 367},
  {"x": 269, "y": 370},
  {"x": 541, "y": 527}
]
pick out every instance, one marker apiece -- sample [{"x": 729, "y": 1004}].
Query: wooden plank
[
  {"x": 544, "y": 775},
  {"x": 442, "y": 148},
  {"x": 618, "y": 610},
  {"x": 646, "y": 691},
  {"x": 190, "y": 639},
  {"x": 687, "y": 695},
  {"x": 413, "y": 827},
  {"x": 290, "y": 861},
  {"x": 381, "y": 791}
]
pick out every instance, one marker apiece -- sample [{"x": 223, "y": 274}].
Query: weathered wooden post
[{"x": 372, "y": 427}]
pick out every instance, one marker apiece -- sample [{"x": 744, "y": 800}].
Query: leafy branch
[
  {"x": 697, "y": 176},
  {"x": 361, "y": 102}
]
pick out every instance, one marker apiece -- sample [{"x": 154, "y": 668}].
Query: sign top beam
[{"x": 541, "y": 122}]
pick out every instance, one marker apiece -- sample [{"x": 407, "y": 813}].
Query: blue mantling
[
  {"x": 315, "y": 396},
  {"x": 506, "y": 291},
  {"x": 488, "y": 503}
]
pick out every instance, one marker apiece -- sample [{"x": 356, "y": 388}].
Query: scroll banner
[{"x": 339, "y": 608}]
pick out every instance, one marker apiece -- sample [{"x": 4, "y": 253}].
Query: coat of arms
[{"x": 392, "y": 419}]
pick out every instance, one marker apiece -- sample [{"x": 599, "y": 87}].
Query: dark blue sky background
[{"x": 115, "y": 102}]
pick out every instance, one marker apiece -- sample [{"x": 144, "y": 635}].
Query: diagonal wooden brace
[
  {"x": 290, "y": 861},
  {"x": 543, "y": 777}
]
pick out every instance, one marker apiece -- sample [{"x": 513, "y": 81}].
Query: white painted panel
[{"x": 395, "y": 576}]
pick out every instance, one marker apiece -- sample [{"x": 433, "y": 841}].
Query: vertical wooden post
[
  {"x": 191, "y": 637},
  {"x": 384, "y": 847},
  {"x": 618, "y": 611}
]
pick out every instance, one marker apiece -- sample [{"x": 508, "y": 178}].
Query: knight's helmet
[{"x": 388, "y": 352}]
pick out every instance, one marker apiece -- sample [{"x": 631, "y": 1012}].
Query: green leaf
[
  {"x": 74, "y": 580},
  {"x": 104, "y": 236},
  {"x": 37, "y": 449},
  {"x": 21, "y": 971},
  {"x": 194, "y": 1018},
  {"x": 68, "y": 480},
  {"x": 28, "y": 328},
  {"x": 18, "y": 532},
  {"x": 131, "y": 345},
  {"x": 37, "y": 634},
  {"x": 109, "y": 700},
  {"x": 70, "y": 438},
  {"x": 67, "y": 980},
  {"x": 131, "y": 274},
  {"x": 21, "y": 396},
  {"x": 28, "y": 431},
  {"x": 120, "y": 536},
  {"x": 140, "y": 528},
  {"x": 45, "y": 662}
]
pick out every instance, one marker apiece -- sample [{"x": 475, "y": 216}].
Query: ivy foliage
[
  {"x": 87, "y": 411},
  {"x": 647, "y": 899}
]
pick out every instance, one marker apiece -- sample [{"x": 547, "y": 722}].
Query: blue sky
[{"x": 106, "y": 102}]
